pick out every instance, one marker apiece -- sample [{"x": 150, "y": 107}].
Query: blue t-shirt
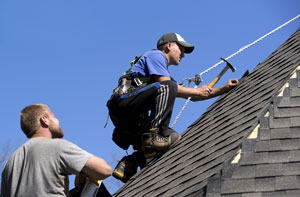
[{"x": 151, "y": 63}]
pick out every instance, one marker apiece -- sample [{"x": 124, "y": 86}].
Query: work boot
[
  {"x": 125, "y": 169},
  {"x": 150, "y": 153},
  {"x": 153, "y": 141},
  {"x": 174, "y": 138}
]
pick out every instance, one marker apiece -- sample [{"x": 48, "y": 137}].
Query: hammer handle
[
  {"x": 219, "y": 76},
  {"x": 214, "y": 82}
]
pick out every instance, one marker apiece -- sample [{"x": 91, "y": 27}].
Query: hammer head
[{"x": 233, "y": 69}]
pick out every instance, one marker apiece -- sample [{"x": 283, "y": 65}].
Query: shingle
[
  {"x": 277, "y": 145},
  {"x": 280, "y": 123},
  {"x": 264, "y": 123},
  {"x": 295, "y": 121},
  {"x": 291, "y": 169},
  {"x": 243, "y": 172},
  {"x": 286, "y": 92},
  {"x": 233, "y": 195},
  {"x": 254, "y": 158},
  {"x": 289, "y": 102},
  {"x": 214, "y": 185},
  {"x": 298, "y": 77},
  {"x": 192, "y": 190},
  {"x": 295, "y": 92},
  {"x": 294, "y": 156},
  {"x": 289, "y": 144},
  {"x": 275, "y": 194},
  {"x": 264, "y": 184},
  {"x": 227, "y": 171},
  {"x": 270, "y": 157},
  {"x": 294, "y": 101},
  {"x": 251, "y": 195},
  {"x": 248, "y": 145},
  {"x": 268, "y": 170},
  {"x": 212, "y": 195},
  {"x": 276, "y": 157},
  {"x": 237, "y": 186},
  {"x": 283, "y": 102},
  {"x": 293, "y": 193},
  {"x": 293, "y": 83},
  {"x": 286, "y": 133},
  {"x": 286, "y": 182},
  {"x": 264, "y": 134},
  {"x": 264, "y": 146},
  {"x": 286, "y": 111}
]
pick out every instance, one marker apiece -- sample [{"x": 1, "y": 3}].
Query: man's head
[
  {"x": 174, "y": 47},
  {"x": 174, "y": 37},
  {"x": 38, "y": 116}
]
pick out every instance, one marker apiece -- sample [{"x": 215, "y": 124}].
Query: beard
[{"x": 56, "y": 131}]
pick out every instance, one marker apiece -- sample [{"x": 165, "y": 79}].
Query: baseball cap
[{"x": 174, "y": 37}]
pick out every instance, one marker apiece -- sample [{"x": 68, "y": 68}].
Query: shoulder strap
[{"x": 132, "y": 63}]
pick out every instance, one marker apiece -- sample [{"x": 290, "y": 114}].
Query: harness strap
[{"x": 132, "y": 63}]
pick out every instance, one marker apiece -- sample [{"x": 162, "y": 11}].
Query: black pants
[
  {"x": 149, "y": 107},
  {"x": 136, "y": 113}
]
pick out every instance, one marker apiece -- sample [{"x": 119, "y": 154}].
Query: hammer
[{"x": 228, "y": 65}]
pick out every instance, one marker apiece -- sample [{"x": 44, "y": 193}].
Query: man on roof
[
  {"x": 41, "y": 166},
  {"x": 141, "y": 106}
]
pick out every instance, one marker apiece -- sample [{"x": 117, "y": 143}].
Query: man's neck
[
  {"x": 43, "y": 132},
  {"x": 167, "y": 57}
]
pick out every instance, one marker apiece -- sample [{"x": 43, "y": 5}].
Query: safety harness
[{"x": 131, "y": 82}]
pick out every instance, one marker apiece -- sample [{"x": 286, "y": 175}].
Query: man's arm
[
  {"x": 203, "y": 92},
  {"x": 97, "y": 168}
]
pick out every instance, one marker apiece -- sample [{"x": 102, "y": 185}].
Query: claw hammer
[{"x": 228, "y": 66}]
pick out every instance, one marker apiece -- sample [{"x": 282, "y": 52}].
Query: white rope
[{"x": 234, "y": 54}]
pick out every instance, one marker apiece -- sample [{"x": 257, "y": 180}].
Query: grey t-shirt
[{"x": 41, "y": 166}]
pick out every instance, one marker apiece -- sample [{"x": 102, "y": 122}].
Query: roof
[
  {"x": 234, "y": 148},
  {"x": 268, "y": 162}
]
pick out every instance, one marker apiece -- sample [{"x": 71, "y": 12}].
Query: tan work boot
[{"x": 152, "y": 140}]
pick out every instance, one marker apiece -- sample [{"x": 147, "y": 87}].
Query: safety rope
[{"x": 231, "y": 56}]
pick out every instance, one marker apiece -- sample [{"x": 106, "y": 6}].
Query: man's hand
[
  {"x": 206, "y": 92},
  {"x": 231, "y": 84},
  {"x": 202, "y": 92}
]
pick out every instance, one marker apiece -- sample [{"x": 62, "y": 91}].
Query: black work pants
[
  {"x": 136, "y": 113},
  {"x": 149, "y": 107}
]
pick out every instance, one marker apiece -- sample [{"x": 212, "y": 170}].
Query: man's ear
[
  {"x": 168, "y": 46},
  {"x": 45, "y": 122}
]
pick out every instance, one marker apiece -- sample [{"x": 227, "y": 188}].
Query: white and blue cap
[{"x": 174, "y": 37}]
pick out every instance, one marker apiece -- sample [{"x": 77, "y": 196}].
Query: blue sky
[{"x": 69, "y": 55}]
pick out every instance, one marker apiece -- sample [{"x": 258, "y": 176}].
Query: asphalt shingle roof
[
  {"x": 270, "y": 163},
  {"x": 201, "y": 164}
]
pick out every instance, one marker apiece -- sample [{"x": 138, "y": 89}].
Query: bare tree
[{"x": 5, "y": 151}]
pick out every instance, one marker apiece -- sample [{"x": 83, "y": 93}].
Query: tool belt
[{"x": 128, "y": 84}]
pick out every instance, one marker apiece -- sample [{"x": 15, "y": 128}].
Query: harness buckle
[{"x": 137, "y": 82}]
